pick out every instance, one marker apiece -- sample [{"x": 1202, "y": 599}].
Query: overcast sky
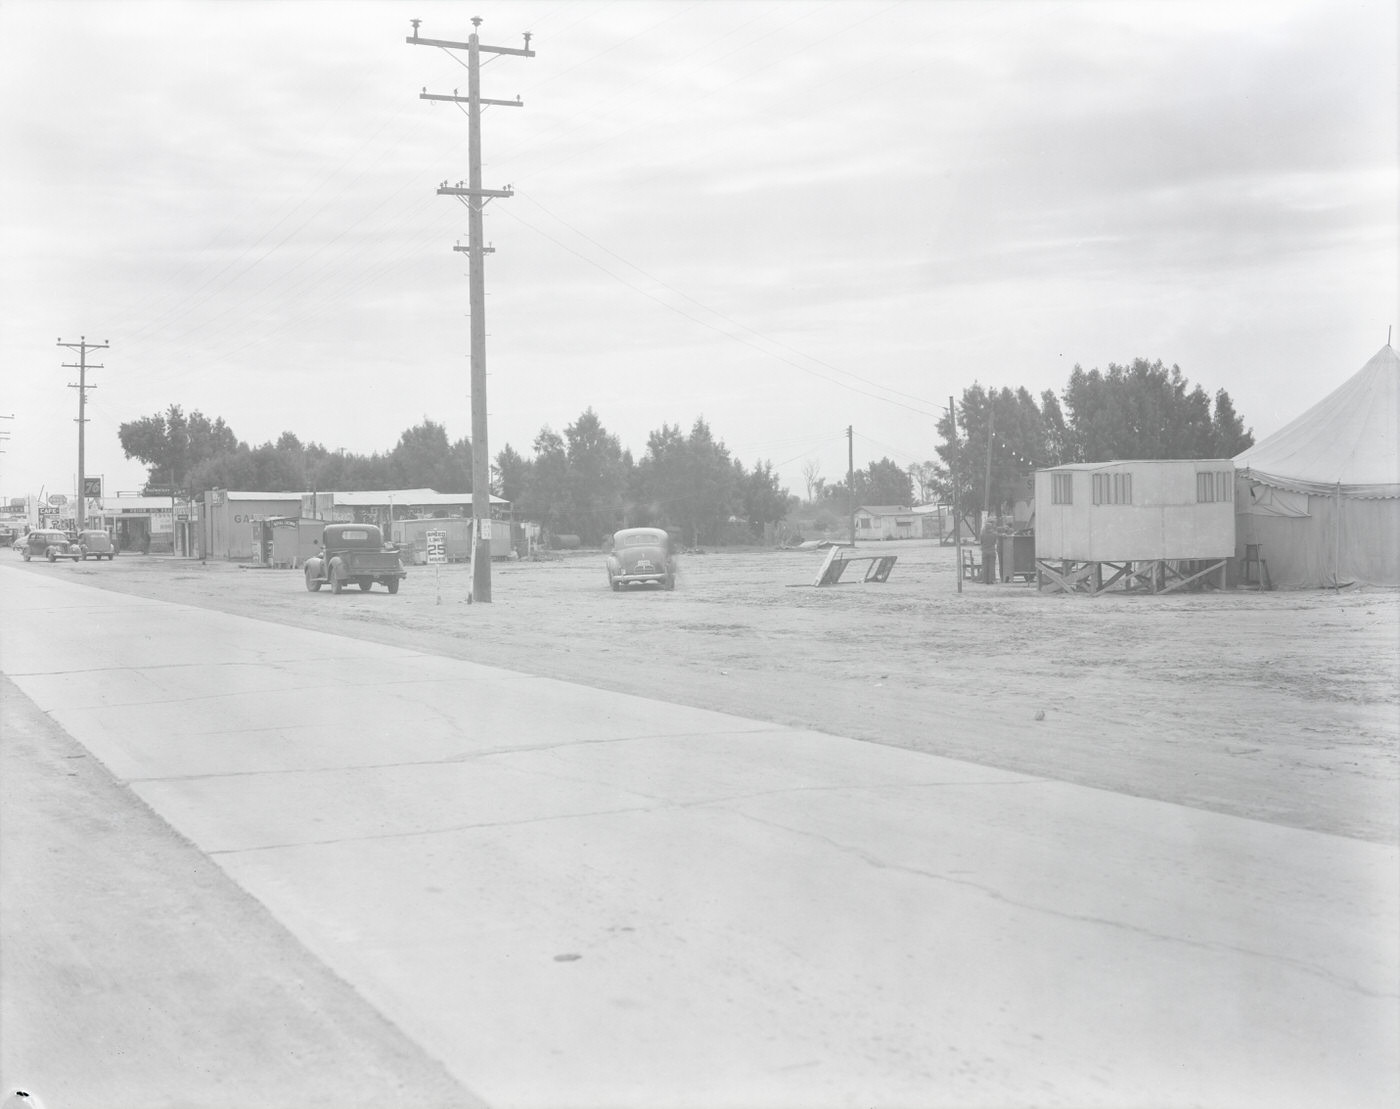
[{"x": 783, "y": 217}]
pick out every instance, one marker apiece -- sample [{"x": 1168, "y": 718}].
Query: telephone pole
[
  {"x": 5, "y": 436},
  {"x": 953, "y": 478},
  {"x": 851, "y": 475},
  {"x": 82, "y": 347},
  {"x": 987, "y": 484},
  {"x": 476, "y": 198}
]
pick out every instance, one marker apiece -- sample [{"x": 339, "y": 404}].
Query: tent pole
[{"x": 1337, "y": 537}]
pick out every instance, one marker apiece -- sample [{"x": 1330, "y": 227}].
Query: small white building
[
  {"x": 887, "y": 522},
  {"x": 1157, "y": 523}
]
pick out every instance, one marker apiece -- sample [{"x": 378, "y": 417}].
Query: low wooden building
[
  {"x": 385, "y": 506},
  {"x": 231, "y": 522},
  {"x": 1156, "y": 524},
  {"x": 147, "y": 525},
  {"x": 887, "y": 522}
]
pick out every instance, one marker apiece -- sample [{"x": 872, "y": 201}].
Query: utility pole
[
  {"x": 476, "y": 198},
  {"x": 5, "y": 435},
  {"x": 851, "y": 477},
  {"x": 953, "y": 477},
  {"x": 82, "y": 347},
  {"x": 987, "y": 484}
]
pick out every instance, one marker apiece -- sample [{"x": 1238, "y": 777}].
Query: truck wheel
[
  {"x": 313, "y": 583},
  {"x": 365, "y": 584},
  {"x": 335, "y": 584},
  {"x": 52, "y": 557},
  {"x": 393, "y": 585}
]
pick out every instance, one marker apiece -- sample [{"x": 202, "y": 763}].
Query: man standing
[{"x": 988, "y": 539}]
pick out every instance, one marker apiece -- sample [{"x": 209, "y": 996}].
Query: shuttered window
[
  {"x": 1214, "y": 485},
  {"x": 1113, "y": 488},
  {"x": 1061, "y": 488}
]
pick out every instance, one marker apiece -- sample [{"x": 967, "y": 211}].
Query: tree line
[
  {"x": 192, "y": 454},
  {"x": 579, "y": 483},
  {"x": 1141, "y": 410},
  {"x": 584, "y": 482}
]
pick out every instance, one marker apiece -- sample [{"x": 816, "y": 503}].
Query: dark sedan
[
  {"x": 641, "y": 556},
  {"x": 51, "y": 544}
]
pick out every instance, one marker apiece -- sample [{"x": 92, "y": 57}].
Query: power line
[{"x": 706, "y": 324}]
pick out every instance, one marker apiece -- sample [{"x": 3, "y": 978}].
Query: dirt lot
[{"x": 1280, "y": 706}]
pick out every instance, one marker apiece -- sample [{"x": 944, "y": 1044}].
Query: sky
[{"x": 784, "y": 218}]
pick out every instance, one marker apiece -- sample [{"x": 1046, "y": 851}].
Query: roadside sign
[
  {"x": 58, "y": 500},
  {"x": 437, "y": 547},
  {"x": 484, "y": 527},
  {"x": 92, "y": 486}
]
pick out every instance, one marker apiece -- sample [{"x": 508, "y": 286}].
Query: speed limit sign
[{"x": 437, "y": 546}]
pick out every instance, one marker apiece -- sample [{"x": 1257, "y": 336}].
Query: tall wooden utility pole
[
  {"x": 953, "y": 477},
  {"x": 476, "y": 198},
  {"x": 987, "y": 484},
  {"x": 82, "y": 347},
  {"x": 5, "y": 435},
  {"x": 851, "y": 475}
]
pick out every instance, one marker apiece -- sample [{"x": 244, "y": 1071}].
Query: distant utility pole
[
  {"x": 5, "y": 435},
  {"x": 953, "y": 478},
  {"x": 476, "y": 198},
  {"x": 987, "y": 484},
  {"x": 851, "y": 475},
  {"x": 82, "y": 347}
]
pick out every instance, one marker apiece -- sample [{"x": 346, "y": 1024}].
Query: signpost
[{"x": 437, "y": 555}]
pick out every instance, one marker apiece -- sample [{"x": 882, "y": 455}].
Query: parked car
[
  {"x": 97, "y": 544},
  {"x": 641, "y": 556},
  {"x": 51, "y": 544},
  {"x": 354, "y": 553}
]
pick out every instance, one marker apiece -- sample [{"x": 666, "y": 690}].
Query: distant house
[
  {"x": 1143, "y": 521},
  {"x": 936, "y": 522},
  {"x": 883, "y": 521}
]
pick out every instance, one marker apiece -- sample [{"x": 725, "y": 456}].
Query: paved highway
[{"x": 579, "y": 898}]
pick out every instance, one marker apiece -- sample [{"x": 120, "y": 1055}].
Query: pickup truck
[{"x": 354, "y": 553}]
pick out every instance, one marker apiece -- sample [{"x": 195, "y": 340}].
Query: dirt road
[{"x": 1282, "y": 706}]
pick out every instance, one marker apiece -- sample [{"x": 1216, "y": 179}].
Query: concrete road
[{"x": 578, "y": 898}]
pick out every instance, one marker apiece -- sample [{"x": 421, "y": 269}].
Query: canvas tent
[{"x": 1321, "y": 497}]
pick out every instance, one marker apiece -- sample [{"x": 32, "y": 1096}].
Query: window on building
[
  {"x": 1061, "y": 488},
  {"x": 1113, "y": 488},
  {"x": 1214, "y": 485}
]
